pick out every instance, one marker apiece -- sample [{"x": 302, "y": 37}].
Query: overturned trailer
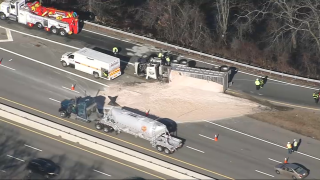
[{"x": 121, "y": 120}]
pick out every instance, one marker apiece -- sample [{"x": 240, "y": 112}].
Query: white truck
[
  {"x": 33, "y": 14},
  {"x": 93, "y": 62},
  {"x": 121, "y": 120}
]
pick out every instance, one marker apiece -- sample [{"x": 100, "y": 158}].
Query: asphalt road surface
[
  {"x": 234, "y": 156},
  {"x": 18, "y": 146}
]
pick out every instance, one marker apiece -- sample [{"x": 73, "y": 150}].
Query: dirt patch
[
  {"x": 181, "y": 103},
  {"x": 303, "y": 122}
]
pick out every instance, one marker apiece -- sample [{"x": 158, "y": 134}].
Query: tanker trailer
[{"x": 121, "y": 120}]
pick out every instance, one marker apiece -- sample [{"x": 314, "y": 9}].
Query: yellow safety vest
[
  {"x": 289, "y": 146},
  {"x": 160, "y": 55},
  {"x": 105, "y": 74},
  {"x": 295, "y": 144},
  {"x": 257, "y": 82},
  {"x": 168, "y": 59},
  {"x": 115, "y": 49}
]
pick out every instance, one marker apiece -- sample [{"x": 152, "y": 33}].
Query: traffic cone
[
  {"x": 285, "y": 160},
  {"x": 147, "y": 112},
  {"x": 1, "y": 60},
  {"x": 215, "y": 137},
  {"x": 72, "y": 87}
]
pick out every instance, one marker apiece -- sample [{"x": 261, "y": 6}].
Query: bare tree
[{"x": 223, "y": 8}]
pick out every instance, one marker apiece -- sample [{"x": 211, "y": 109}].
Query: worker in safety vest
[
  {"x": 115, "y": 50},
  {"x": 295, "y": 145},
  {"x": 258, "y": 83},
  {"x": 105, "y": 73},
  {"x": 316, "y": 96},
  {"x": 289, "y": 147},
  {"x": 168, "y": 60},
  {"x": 160, "y": 55}
]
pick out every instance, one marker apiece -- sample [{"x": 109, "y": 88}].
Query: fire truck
[{"x": 35, "y": 15}]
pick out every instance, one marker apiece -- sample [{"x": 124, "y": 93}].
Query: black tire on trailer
[
  {"x": 62, "y": 32},
  {"x": 3, "y": 16},
  {"x": 159, "y": 148},
  {"x": 39, "y": 25},
  {"x": 54, "y": 30},
  {"x": 183, "y": 62}
]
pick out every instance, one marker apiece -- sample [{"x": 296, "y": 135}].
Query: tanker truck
[{"x": 120, "y": 120}]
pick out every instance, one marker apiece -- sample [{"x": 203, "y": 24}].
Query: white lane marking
[
  {"x": 101, "y": 172},
  {"x": 264, "y": 173},
  {"x": 70, "y": 90},
  {"x": 206, "y": 137},
  {"x": 3, "y": 170},
  {"x": 9, "y": 34},
  {"x": 194, "y": 149},
  {"x": 32, "y": 147},
  {"x": 52, "y": 66},
  {"x": 7, "y": 67},
  {"x": 55, "y": 100},
  {"x": 274, "y": 160},
  {"x": 16, "y": 158},
  {"x": 260, "y": 139},
  {"x": 10, "y": 59},
  {"x": 106, "y": 35},
  {"x": 40, "y": 38}
]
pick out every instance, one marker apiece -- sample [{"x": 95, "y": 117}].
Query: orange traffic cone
[
  {"x": 1, "y": 60},
  {"x": 215, "y": 137},
  {"x": 72, "y": 87},
  {"x": 147, "y": 112},
  {"x": 285, "y": 160}
]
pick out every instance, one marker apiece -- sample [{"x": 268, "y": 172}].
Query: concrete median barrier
[{"x": 100, "y": 145}]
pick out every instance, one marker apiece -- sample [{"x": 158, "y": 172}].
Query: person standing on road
[
  {"x": 258, "y": 84},
  {"x": 295, "y": 145},
  {"x": 115, "y": 50},
  {"x": 316, "y": 96},
  {"x": 289, "y": 147}
]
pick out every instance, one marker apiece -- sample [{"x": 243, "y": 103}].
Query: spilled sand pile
[{"x": 184, "y": 99}]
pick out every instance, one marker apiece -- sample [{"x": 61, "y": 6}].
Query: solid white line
[
  {"x": 10, "y": 59},
  {"x": 3, "y": 170},
  {"x": 40, "y": 38},
  {"x": 52, "y": 66},
  {"x": 16, "y": 158},
  {"x": 33, "y": 147},
  {"x": 194, "y": 149},
  {"x": 9, "y": 34},
  {"x": 70, "y": 90},
  {"x": 274, "y": 160},
  {"x": 101, "y": 172},
  {"x": 260, "y": 139},
  {"x": 7, "y": 67},
  {"x": 206, "y": 137},
  {"x": 264, "y": 173},
  {"x": 55, "y": 100},
  {"x": 106, "y": 36}
]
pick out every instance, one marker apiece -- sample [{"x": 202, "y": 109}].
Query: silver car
[{"x": 292, "y": 170}]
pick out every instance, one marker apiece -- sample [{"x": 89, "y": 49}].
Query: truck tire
[
  {"x": 39, "y": 25},
  {"x": 183, "y": 62},
  {"x": 62, "y": 32},
  {"x": 64, "y": 64},
  {"x": 2, "y": 16},
  {"x": 99, "y": 126},
  {"x": 167, "y": 151},
  {"x": 278, "y": 172},
  {"x": 63, "y": 114},
  {"x": 224, "y": 68},
  {"x": 159, "y": 148},
  {"x": 54, "y": 30},
  {"x": 107, "y": 129},
  {"x": 96, "y": 75}
]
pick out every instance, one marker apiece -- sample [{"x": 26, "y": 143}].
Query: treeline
[{"x": 281, "y": 35}]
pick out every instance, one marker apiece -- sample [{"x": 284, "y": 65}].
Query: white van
[{"x": 98, "y": 64}]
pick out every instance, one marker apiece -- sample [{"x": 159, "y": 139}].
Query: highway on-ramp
[
  {"x": 20, "y": 144},
  {"x": 38, "y": 88}
]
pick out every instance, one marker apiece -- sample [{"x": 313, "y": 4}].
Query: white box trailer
[{"x": 93, "y": 62}]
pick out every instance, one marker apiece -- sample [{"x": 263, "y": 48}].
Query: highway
[
  {"x": 19, "y": 146},
  {"x": 37, "y": 87}
]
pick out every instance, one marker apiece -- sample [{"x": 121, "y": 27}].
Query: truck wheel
[
  {"x": 63, "y": 114},
  {"x": 54, "y": 30},
  {"x": 183, "y": 62},
  {"x": 159, "y": 148},
  {"x": 107, "y": 129},
  {"x": 167, "y": 151},
  {"x": 64, "y": 64},
  {"x": 99, "y": 126},
  {"x": 96, "y": 75},
  {"x": 39, "y": 25},
  {"x": 2, "y": 16},
  {"x": 278, "y": 172},
  {"x": 62, "y": 32}
]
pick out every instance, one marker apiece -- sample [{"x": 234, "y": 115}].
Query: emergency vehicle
[
  {"x": 33, "y": 14},
  {"x": 93, "y": 62}
]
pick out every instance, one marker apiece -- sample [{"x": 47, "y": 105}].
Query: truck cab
[{"x": 9, "y": 9}]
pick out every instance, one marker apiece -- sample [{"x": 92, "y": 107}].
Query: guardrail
[{"x": 203, "y": 54}]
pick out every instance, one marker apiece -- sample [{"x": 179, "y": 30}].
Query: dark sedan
[{"x": 42, "y": 167}]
